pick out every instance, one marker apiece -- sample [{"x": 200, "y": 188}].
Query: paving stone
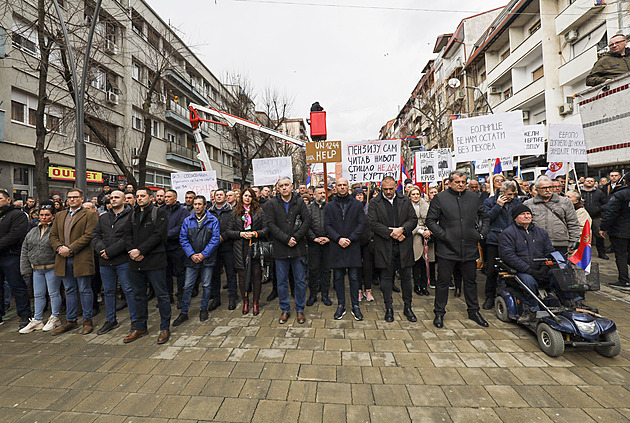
[
  {"x": 567, "y": 415},
  {"x": 426, "y": 396},
  {"x": 278, "y": 390},
  {"x": 604, "y": 415},
  {"x": 255, "y": 388},
  {"x": 468, "y": 396},
  {"x": 536, "y": 396},
  {"x": 388, "y": 414},
  {"x": 532, "y": 376},
  {"x": 362, "y": 394},
  {"x": 570, "y": 396},
  {"x": 317, "y": 373},
  {"x": 441, "y": 376},
  {"x": 298, "y": 356},
  {"x": 223, "y": 387},
  {"x": 446, "y": 360},
  {"x": 351, "y": 358},
  {"x": 429, "y": 414},
  {"x": 327, "y": 357},
  {"x": 334, "y": 413},
  {"x": 473, "y": 415},
  {"x": 247, "y": 370},
  {"x": 523, "y": 415},
  {"x": 334, "y": 393},
  {"x": 100, "y": 402},
  {"x": 302, "y": 391},
  {"x": 138, "y": 404},
  {"x": 505, "y": 396},
  {"x": 311, "y": 412},
  {"x": 236, "y": 410},
  {"x": 201, "y": 408},
  {"x": 383, "y": 359},
  {"x": 398, "y": 375},
  {"x": 349, "y": 374},
  {"x": 280, "y": 371},
  {"x": 391, "y": 395},
  {"x": 608, "y": 396},
  {"x": 171, "y": 406},
  {"x": 474, "y": 376}
]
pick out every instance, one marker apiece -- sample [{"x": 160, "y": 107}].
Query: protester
[
  {"x": 344, "y": 220},
  {"x": 38, "y": 259},
  {"x": 421, "y": 235},
  {"x": 130, "y": 199},
  {"x": 145, "y": 242},
  {"x": 459, "y": 221},
  {"x": 594, "y": 202},
  {"x": 614, "y": 178},
  {"x": 105, "y": 191},
  {"x": 558, "y": 187},
  {"x": 189, "y": 197},
  {"x": 318, "y": 251},
  {"x": 287, "y": 219},
  {"x": 393, "y": 219},
  {"x": 159, "y": 197},
  {"x": 199, "y": 237},
  {"x": 616, "y": 224},
  {"x": 366, "y": 276},
  {"x": 613, "y": 64},
  {"x": 176, "y": 213},
  {"x": 264, "y": 195},
  {"x": 230, "y": 198},
  {"x": 247, "y": 229},
  {"x": 580, "y": 211}
]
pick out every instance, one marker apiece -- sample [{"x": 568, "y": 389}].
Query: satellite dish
[{"x": 454, "y": 83}]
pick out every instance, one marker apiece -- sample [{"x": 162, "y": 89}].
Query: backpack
[{"x": 154, "y": 212}]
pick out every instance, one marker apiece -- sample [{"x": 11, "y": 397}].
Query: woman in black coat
[{"x": 246, "y": 228}]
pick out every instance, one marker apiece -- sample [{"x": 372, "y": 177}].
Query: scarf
[{"x": 247, "y": 218}]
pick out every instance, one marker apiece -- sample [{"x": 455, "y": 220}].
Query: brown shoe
[
  {"x": 163, "y": 336},
  {"x": 65, "y": 328},
  {"x": 283, "y": 318},
  {"x": 88, "y": 327},
  {"x": 135, "y": 334},
  {"x": 300, "y": 318}
]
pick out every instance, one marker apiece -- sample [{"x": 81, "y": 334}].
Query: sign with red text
[
  {"x": 67, "y": 174},
  {"x": 201, "y": 183},
  {"x": 370, "y": 161}
]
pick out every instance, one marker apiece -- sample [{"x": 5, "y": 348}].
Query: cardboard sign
[
  {"x": 267, "y": 171},
  {"x": 483, "y": 167},
  {"x": 370, "y": 161},
  {"x": 534, "y": 140},
  {"x": 566, "y": 143},
  {"x": 444, "y": 160},
  {"x": 483, "y": 137},
  {"x": 323, "y": 152},
  {"x": 201, "y": 182},
  {"x": 425, "y": 166}
]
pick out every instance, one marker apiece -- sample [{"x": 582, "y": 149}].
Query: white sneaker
[
  {"x": 52, "y": 323},
  {"x": 32, "y": 326}
]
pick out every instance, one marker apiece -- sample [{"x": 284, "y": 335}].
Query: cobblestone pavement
[{"x": 242, "y": 369}]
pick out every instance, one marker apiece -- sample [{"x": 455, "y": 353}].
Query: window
[
  {"x": 20, "y": 175},
  {"x": 538, "y": 73},
  {"x": 137, "y": 72},
  {"x": 215, "y": 154},
  {"x": 534, "y": 27},
  {"x": 18, "y": 111},
  {"x": 137, "y": 23},
  {"x": 136, "y": 121},
  {"x": 155, "y": 128},
  {"x": 171, "y": 137},
  {"x": 98, "y": 79},
  {"x": 507, "y": 93},
  {"x": 53, "y": 123},
  {"x": 505, "y": 54},
  {"x": 24, "y": 38},
  {"x": 32, "y": 116}
]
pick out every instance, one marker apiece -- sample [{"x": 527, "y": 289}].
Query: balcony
[
  {"x": 576, "y": 13},
  {"x": 578, "y": 67},
  {"x": 188, "y": 88},
  {"x": 180, "y": 153},
  {"x": 520, "y": 98},
  {"x": 515, "y": 56}
]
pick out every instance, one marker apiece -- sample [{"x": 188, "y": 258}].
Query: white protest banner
[
  {"x": 534, "y": 140},
  {"x": 482, "y": 166},
  {"x": 480, "y": 138},
  {"x": 425, "y": 166},
  {"x": 444, "y": 161},
  {"x": 267, "y": 171},
  {"x": 370, "y": 161},
  {"x": 566, "y": 143},
  {"x": 202, "y": 183}
]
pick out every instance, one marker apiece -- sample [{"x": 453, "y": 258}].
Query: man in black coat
[
  {"x": 223, "y": 211},
  {"x": 145, "y": 241},
  {"x": 13, "y": 229},
  {"x": 176, "y": 213},
  {"x": 108, "y": 242},
  {"x": 616, "y": 223},
  {"x": 318, "y": 250},
  {"x": 344, "y": 221},
  {"x": 594, "y": 202},
  {"x": 459, "y": 221},
  {"x": 288, "y": 219},
  {"x": 392, "y": 218}
]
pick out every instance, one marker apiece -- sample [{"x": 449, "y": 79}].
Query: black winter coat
[
  {"x": 594, "y": 202},
  {"x": 500, "y": 216},
  {"x": 616, "y": 218},
  {"x": 224, "y": 215},
  {"x": 240, "y": 244},
  {"x": 148, "y": 236},
  {"x": 378, "y": 216},
  {"x": 13, "y": 229},
  {"x": 349, "y": 225},
  {"x": 282, "y": 226},
  {"x": 459, "y": 221},
  {"x": 176, "y": 215},
  {"x": 518, "y": 247},
  {"x": 317, "y": 228},
  {"x": 109, "y": 235}
]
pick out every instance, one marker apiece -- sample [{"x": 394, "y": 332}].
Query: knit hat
[{"x": 521, "y": 208}]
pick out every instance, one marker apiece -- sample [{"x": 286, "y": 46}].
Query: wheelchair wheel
[
  {"x": 611, "y": 351},
  {"x": 550, "y": 340},
  {"x": 500, "y": 308}
]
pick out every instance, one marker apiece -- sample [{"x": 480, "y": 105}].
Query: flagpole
[
  {"x": 566, "y": 180},
  {"x": 491, "y": 176}
]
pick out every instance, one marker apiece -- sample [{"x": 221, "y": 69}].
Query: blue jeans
[
  {"x": 110, "y": 275},
  {"x": 282, "y": 273},
  {"x": 84, "y": 285},
  {"x": 532, "y": 284},
  {"x": 45, "y": 279},
  {"x": 139, "y": 284},
  {"x": 340, "y": 286},
  {"x": 189, "y": 283}
]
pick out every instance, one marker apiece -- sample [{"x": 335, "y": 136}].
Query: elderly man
[
  {"x": 459, "y": 221},
  {"x": 556, "y": 215},
  {"x": 613, "y": 64}
]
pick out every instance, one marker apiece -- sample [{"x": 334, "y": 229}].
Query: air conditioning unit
[
  {"x": 565, "y": 109},
  {"x": 525, "y": 114},
  {"x": 571, "y": 37},
  {"x": 112, "y": 97},
  {"x": 111, "y": 47},
  {"x": 494, "y": 90}
]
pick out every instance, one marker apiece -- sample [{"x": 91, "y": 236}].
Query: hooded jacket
[{"x": 195, "y": 239}]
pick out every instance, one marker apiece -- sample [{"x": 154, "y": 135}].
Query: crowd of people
[{"x": 127, "y": 246}]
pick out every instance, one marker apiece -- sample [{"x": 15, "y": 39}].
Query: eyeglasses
[
  {"x": 544, "y": 188},
  {"x": 73, "y": 197},
  {"x": 46, "y": 207},
  {"x": 617, "y": 42}
]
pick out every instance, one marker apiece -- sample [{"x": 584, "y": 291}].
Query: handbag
[{"x": 262, "y": 250}]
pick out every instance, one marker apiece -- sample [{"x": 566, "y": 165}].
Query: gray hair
[
  {"x": 577, "y": 195},
  {"x": 508, "y": 186},
  {"x": 282, "y": 178},
  {"x": 455, "y": 173},
  {"x": 540, "y": 179}
]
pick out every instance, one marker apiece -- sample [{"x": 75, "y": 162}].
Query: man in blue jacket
[{"x": 199, "y": 237}]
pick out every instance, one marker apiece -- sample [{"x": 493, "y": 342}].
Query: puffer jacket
[
  {"x": 500, "y": 216},
  {"x": 610, "y": 66},
  {"x": 518, "y": 247},
  {"x": 240, "y": 244},
  {"x": 317, "y": 221},
  {"x": 283, "y": 226},
  {"x": 563, "y": 230},
  {"x": 204, "y": 239},
  {"x": 36, "y": 251},
  {"x": 616, "y": 218},
  {"x": 108, "y": 235}
]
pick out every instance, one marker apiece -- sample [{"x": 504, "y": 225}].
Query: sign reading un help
[
  {"x": 482, "y": 137},
  {"x": 201, "y": 183},
  {"x": 323, "y": 152},
  {"x": 267, "y": 171},
  {"x": 566, "y": 143},
  {"x": 370, "y": 161}
]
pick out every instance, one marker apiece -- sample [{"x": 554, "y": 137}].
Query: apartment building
[{"x": 131, "y": 45}]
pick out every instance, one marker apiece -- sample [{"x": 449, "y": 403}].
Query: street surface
[{"x": 242, "y": 369}]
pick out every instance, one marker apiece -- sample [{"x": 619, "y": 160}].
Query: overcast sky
[{"x": 361, "y": 62}]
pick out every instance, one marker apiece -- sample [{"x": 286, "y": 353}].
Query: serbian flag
[
  {"x": 582, "y": 257},
  {"x": 308, "y": 178},
  {"x": 403, "y": 175},
  {"x": 497, "y": 167},
  {"x": 555, "y": 169}
]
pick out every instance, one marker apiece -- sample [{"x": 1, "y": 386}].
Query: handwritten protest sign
[
  {"x": 566, "y": 143},
  {"x": 267, "y": 171},
  {"x": 482, "y": 166},
  {"x": 444, "y": 159},
  {"x": 323, "y": 152},
  {"x": 425, "y": 166},
  {"x": 534, "y": 140},
  {"x": 370, "y": 161},
  {"x": 482, "y": 137},
  {"x": 202, "y": 183}
]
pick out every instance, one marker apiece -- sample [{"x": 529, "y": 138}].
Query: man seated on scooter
[{"x": 519, "y": 245}]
